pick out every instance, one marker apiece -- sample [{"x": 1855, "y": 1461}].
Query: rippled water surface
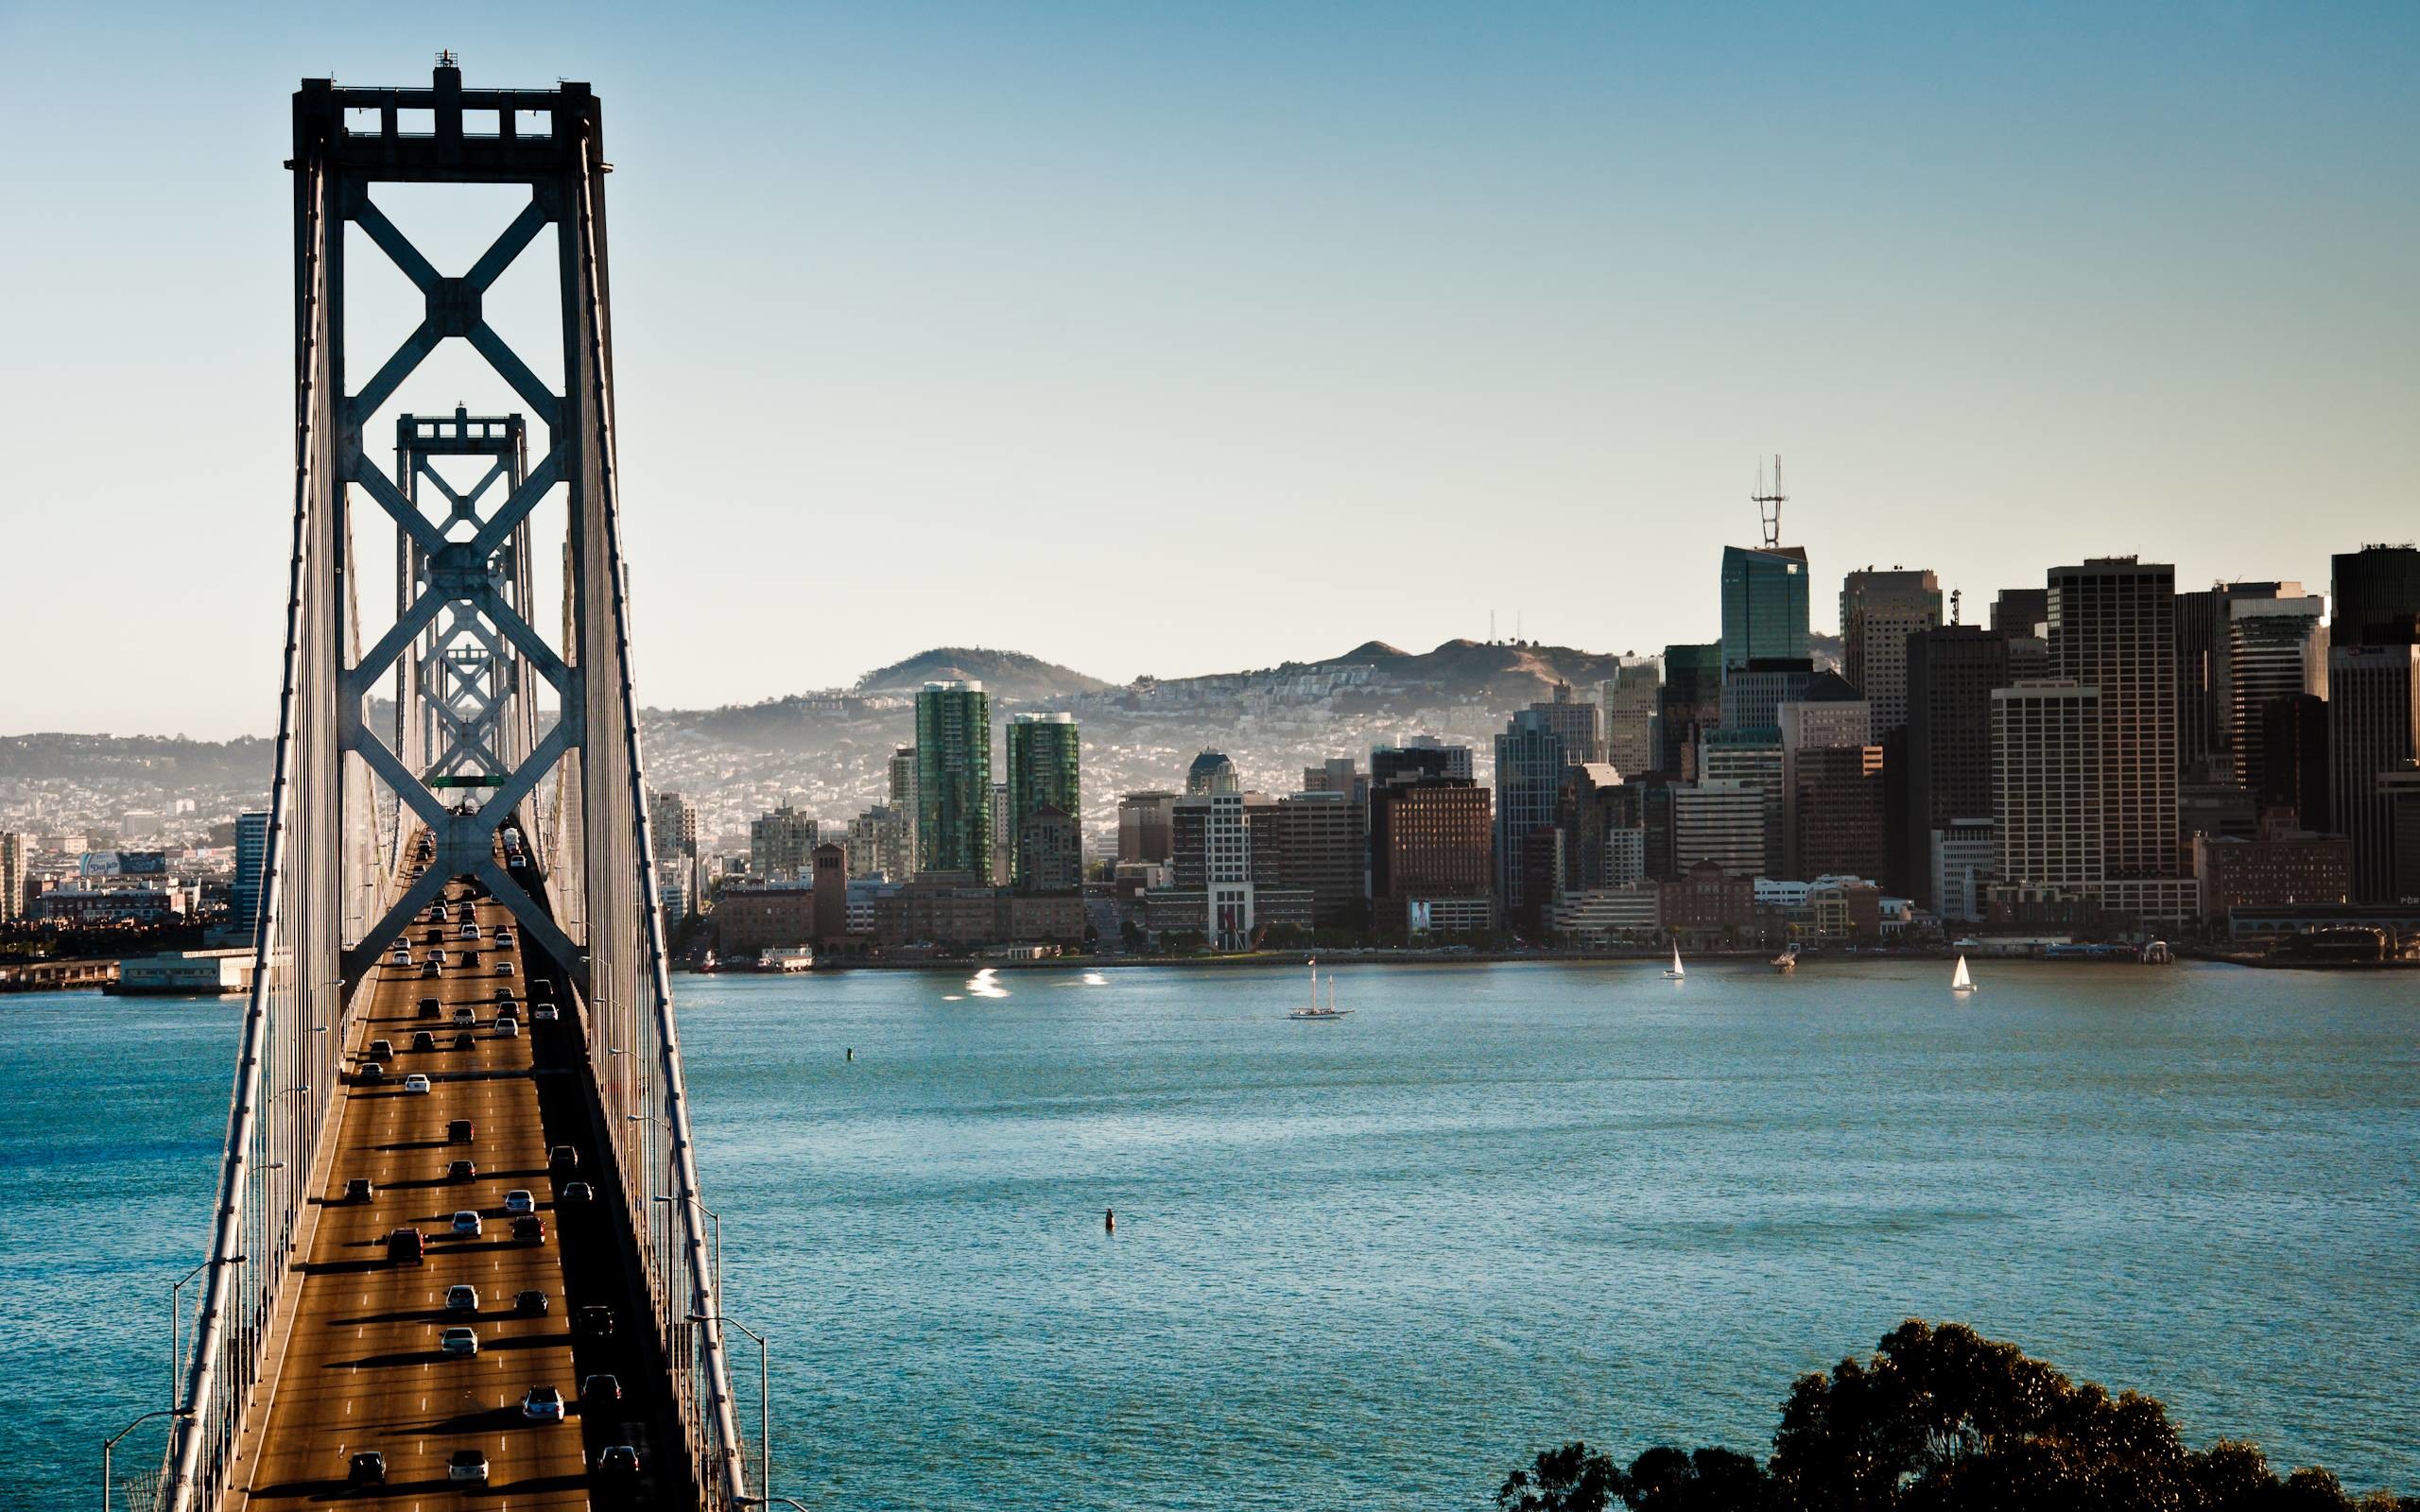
[{"x": 1371, "y": 1264}]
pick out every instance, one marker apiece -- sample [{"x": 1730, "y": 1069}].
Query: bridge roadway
[{"x": 361, "y": 1368}]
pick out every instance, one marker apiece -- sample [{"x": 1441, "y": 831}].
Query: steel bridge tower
[{"x": 497, "y": 725}]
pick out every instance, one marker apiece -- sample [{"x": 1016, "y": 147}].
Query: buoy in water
[
  {"x": 1109, "y": 1220},
  {"x": 853, "y": 1053}
]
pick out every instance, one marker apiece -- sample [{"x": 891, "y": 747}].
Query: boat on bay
[{"x": 1311, "y": 1010}]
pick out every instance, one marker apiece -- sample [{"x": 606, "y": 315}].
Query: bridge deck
[{"x": 362, "y": 1370}]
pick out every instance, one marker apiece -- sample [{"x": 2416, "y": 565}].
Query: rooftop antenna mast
[
  {"x": 1768, "y": 505},
  {"x": 1953, "y": 606}
]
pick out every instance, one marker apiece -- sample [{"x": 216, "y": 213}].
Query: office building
[
  {"x": 2113, "y": 629},
  {"x": 2378, "y": 596},
  {"x": 902, "y": 798},
  {"x": 1049, "y": 852},
  {"x": 1951, "y": 673},
  {"x": 1964, "y": 860},
  {"x": 1707, "y": 905},
  {"x": 882, "y": 844},
  {"x": 2283, "y": 870},
  {"x": 780, "y": 844},
  {"x": 1576, "y": 722},
  {"x": 1752, "y": 759},
  {"x": 2372, "y": 731},
  {"x": 1337, "y": 775},
  {"x": 1606, "y": 844},
  {"x": 2047, "y": 788},
  {"x": 1752, "y": 695},
  {"x": 1631, "y": 699},
  {"x": 1045, "y": 770},
  {"x": 1425, "y": 757},
  {"x": 2293, "y": 761},
  {"x": 1210, "y": 772},
  {"x": 251, "y": 856},
  {"x": 1690, "y": 704},
  {"x": 954, "y": 785},
  {"x": 1319, "y": 841},
  {"x": 1004, "y": 838},
  {"x": 1431, "y": 844},
  {"x": 1529, "y": 762},
  {"x": 1879, "y": 610},
  {"x": 829, "y": 867},
  {"x": 1837, "y": 810},
  {"x": 1764, "y": 606},
  {"x": 1142, "y": 828},
  {"x": 2277, "y": 648},
  {"x": 1720, "y": 822},
  {"x": 2019, "y": 614}
]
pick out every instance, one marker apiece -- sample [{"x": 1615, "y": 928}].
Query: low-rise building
[
  {"x": 2252, "y": 874},
  {"x": 186, "y": 972}
]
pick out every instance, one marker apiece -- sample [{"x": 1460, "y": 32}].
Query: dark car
[
  {"x": 461, "y": 1170},
  {"x": 529, "y": 1226},
  {"x": 358, "y": 1190},
  {"x": 431, "y": 1008},
  {"x": 562, "y": 1159},
  {"x": 406, "y": 1244},
  {"x": 541, "y": 989},
  {"x": 458, "y": 1131},
  {"x": 371, "y": 1071},
  {"x": 464, "y": 1041},
  {"x": 368, "y": 1468},
  {"x": 592, "y": 1322},
  {"x": 602, "y": 1386},
  {"x": 577, "y": 1192},
  {"x": 504, "y": 997},
  {"x": 530, "y": 1304},
  {"x": 423, "y": 1041},
  {"x": 619, "y": 1464},
  {"x": 428, "y": 969},
  {"x": 382, "y": 1050}
]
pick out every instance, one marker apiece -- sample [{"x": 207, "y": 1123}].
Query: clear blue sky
[{"x": 1177, "y": 339}]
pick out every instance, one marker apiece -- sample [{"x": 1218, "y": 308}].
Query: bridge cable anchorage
[{"x": 555, "y": 826}]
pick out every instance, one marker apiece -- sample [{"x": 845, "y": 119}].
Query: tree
[
  {"x": 1570, "y": 1479},
  {"x": 1942, "y": 1419}
]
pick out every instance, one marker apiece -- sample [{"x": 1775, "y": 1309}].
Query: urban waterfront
[{"x": 1373, "y": 1262}]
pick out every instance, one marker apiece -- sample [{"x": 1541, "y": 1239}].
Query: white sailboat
[
  {"x": 1311, "y": 1008},
  {"x": 1676, "y": 975},
  {"x": 1960, "y": 981}
]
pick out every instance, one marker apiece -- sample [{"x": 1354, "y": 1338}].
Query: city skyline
[{"x": 1583, "y": 274}]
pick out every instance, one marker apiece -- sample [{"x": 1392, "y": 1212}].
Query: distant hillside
[
  {"x": 1010, "y": 674},
  {"x": 168, "y": 762}
]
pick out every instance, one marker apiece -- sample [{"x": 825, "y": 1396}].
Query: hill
[{"x": 1010, "y": 674}]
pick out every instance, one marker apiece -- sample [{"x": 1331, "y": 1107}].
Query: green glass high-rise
[
  {"x": 954, "y": 778},
  {"x": 1764, "y": 604},
  {"x": 1046, "y": 768}
]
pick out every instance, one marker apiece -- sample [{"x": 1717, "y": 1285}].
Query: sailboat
[
  {"x": 1676, "y": 975},
  {"x": 1960, "y": 980},
  {"x": 1311, "y": 1010}
]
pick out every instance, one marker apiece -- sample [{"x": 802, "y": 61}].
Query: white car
[
  {"x": 466, "y": 1223},
  {"x": 543, "y": 1405},
  {"x": 468, "y": 1465},
  {"x": 462, "y": 1298},
  {"x": 416, "y": 1083},
  {"x": 467, "y": 932},
  {"x": 542, "y": 1013},
  {"x": 458, "y": 1341},
  {"x": 519, "y": 1201}
]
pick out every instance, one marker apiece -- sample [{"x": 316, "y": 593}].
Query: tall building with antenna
[{"x": 1764, "y": 590}]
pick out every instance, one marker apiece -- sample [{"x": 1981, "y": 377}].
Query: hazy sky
[{"x": 1169, "y": 339}]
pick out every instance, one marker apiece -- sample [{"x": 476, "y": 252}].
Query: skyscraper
[
  {"x": 1948, "y": 781},
  {"x": 2277, "y": 648},
  {"x": 1529, "y": 762},
  {"x": 954, "y": 778},
  {"x": 2017, "y": 612},
  {"x": 2373, "y": 730},
  {"x": 1579, "y": 724},
  {"x": 1430, "y": 844},
  {"x": 2293, "y": 761},
  {"x": 903, "y": 796},
  {"x": 1690, "y": 704},
  {"x": 1764, "y": 604},
  {"x": 13, "y": 875},
  {"x": 252, "y": 855},
  {"x": 1630, "y": 699},
  {"x": 2112, "y": 628},
  {"x": 1045, "y": 770},
  {"x": 1836, "y": 813},
  {"x": 1878, "y": 611},
  {"x": 2378, "y": 596},
  {"x": 2046, "y": 777},
  {"x": 1426, "y": 756}
]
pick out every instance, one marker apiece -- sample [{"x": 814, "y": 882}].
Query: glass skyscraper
[
  {"x": 1045, "y": 767},
  {"x": 954, "y": 778},
  {"x": 1764, "y": 604}
]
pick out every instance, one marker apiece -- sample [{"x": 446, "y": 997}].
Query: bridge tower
[{"x": 498, "y": 726}]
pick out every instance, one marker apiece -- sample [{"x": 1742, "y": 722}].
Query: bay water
[{"x": 1375, "y": 1263}]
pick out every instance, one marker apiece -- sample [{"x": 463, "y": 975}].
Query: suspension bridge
[{"x": 458, "y": 1244}]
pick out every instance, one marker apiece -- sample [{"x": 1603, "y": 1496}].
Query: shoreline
[{"x": 1264, "y": 960}]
